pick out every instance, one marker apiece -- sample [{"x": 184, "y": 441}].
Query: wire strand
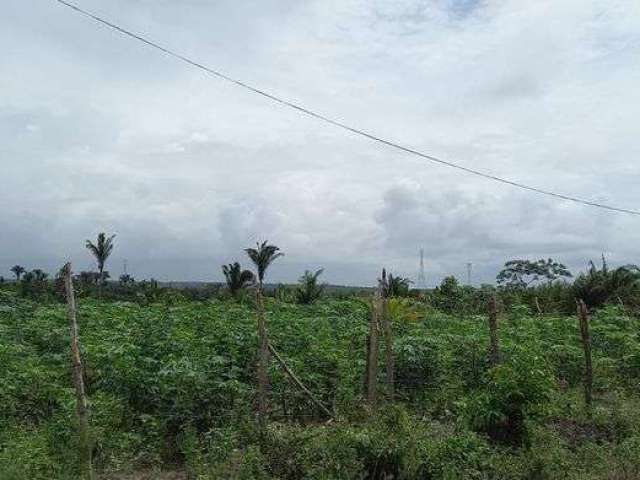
[{"x": 339, "y": 124}]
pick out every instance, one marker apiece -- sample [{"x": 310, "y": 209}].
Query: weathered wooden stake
[
  {"x": 494, "y": 347},
  {"x": 372, "y": 353},
  {"x": 583, "y": 315},
  {"x": 82, "y": 404},
  {"x": 263, "y": 360},
  {"x": 388, "y": 346}
]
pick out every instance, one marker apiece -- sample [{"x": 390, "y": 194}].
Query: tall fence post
[
  {"x": 82, "y": 404},
  {"x": 263, "y": 360},
  {"x": 583, "y": 315},
  {"x": 388, "y": 346},
  {"x": 372, "y": 352},
  {"x": 494, "y": 347}
]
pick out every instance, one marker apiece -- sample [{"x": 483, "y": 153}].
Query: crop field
[{"x": 172, "y": 386}]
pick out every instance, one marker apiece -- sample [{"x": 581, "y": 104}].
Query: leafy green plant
[
  {"x": 512, "y": 393},
  {"x": 309, "y": 290}
]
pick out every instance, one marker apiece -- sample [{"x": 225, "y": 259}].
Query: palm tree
[
  {"x": 101, "y": 251},
  {"x": 18, "y": 270},
  {"x": 391, "y": 286},
  {"x": 600, "y": 286},
  {"x": 262, "y": 257},
  {"x": 237, "y": 279},
  {"x": 309, "y": 290}
]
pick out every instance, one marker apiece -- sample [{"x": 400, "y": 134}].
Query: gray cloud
[{"x": 100, "y": 133}]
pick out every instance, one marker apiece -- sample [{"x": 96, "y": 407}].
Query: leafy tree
[
  {"x": 600, "y": 286},
  {"x": 237, "y": 279},
  {"x": 39, "y": 275},
  {"x": 522, "y": 273},
  {"x": 262, "y": 257},
  {"x": 101, "y": 250},
  {"x": 309, "y": 290},
  {"x": 88, "y": 278},
  {"x": 448, "y": 297},
  {"x": 126, "y": 280},
  {"x": 18, "y": 270}
]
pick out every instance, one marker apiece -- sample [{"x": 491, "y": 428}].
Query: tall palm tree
[
  {"x": 101, "y": 250},
  {"x": 262, "y": 257},
  {"x": 236, "y": 278},
  {"x": 18, "y": 270}
]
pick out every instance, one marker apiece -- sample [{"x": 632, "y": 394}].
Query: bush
[{"x": 512, "y": 393}]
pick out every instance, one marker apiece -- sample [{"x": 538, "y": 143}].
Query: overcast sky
[{"x": 101, "y": 133}]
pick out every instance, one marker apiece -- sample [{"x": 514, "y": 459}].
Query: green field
[{"x": 172, "y": 386}]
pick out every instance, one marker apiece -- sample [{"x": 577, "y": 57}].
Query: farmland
[{"x": 172, "y": 385}]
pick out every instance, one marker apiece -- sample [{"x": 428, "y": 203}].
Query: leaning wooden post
[
  {"x": 583, "y": 315},
  {"x": 494, "y": 347},
  {"x": 263, "y": 360},
  {"x": 299, "y": 383},
  {"x": 372, "y": 352},
  {"x": 82, "y": 404},
  {"x": 388, "y": 346}
]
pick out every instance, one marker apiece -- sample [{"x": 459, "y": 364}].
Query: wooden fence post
[
  {"x": 372, "y": 352},
  {"x": 583, "y": 315},
  {"x": 388, "y": 347},
  {"x": 494, "y": 347},
  {"x": 82, "y": 404},
  {"x": 263, "y": 360}
]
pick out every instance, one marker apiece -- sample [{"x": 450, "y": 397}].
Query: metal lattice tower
[{"x": 422, "y": 280}]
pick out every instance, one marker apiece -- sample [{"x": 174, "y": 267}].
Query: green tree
[
  {"x": 237, "y": 279},
  {"x": 18, "y": 270},
  {"x": 309, "y": 290},
  {"x": 101, "y": 250},
  {"x": 39, "y": 275},
  {"x": 522, "y": 273},
  {"x": 126, "y": 280}
]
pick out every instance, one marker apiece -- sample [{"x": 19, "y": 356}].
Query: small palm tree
[
  {"x": 600, "y": 286},
  {"x": 262, "y": 257},
  {"x": 18, "y": 270},
  {"x": 309, "y": 290},
  {"x": 237, "y": 279},
  {"x": 391, "y": 286},
  {"x": 101, "y": 251}
]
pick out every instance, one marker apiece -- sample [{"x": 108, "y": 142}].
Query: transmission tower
[
  {"x": 422, "y": 280},
  {"x": 469, "y": 267}
]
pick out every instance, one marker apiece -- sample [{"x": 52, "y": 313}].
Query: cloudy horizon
[{"x": 102, "y": 133}]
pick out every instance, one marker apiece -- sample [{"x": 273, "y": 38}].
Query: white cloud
[{"x": 100, "y": 132}]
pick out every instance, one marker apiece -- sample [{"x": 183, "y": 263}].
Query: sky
[{"x": 101, "y": 133}]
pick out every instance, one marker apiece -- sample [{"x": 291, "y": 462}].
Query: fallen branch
[{"x": 298, "y": 382}]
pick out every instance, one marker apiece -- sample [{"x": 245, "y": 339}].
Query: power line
[{"x": 336, "y": 123}]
